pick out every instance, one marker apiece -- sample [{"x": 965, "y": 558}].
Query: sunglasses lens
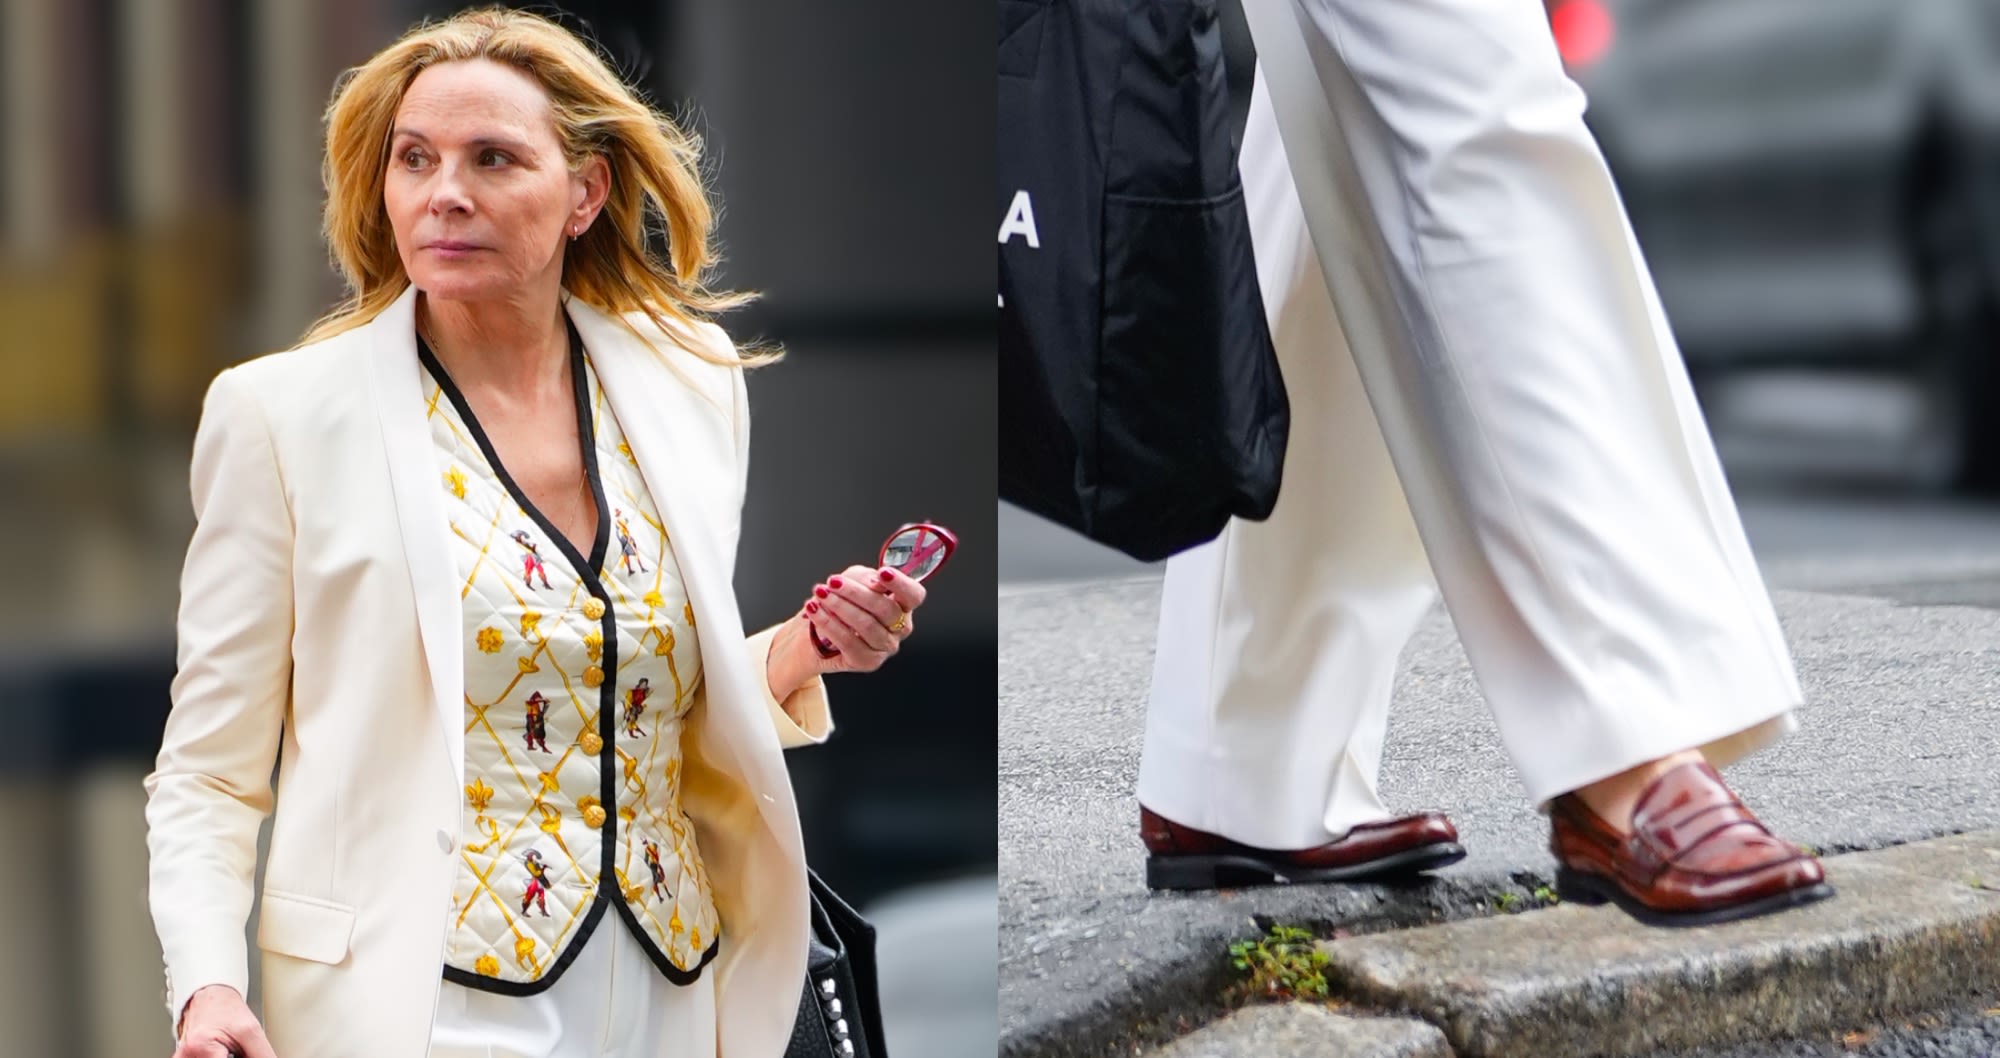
[{"x": 917, "y": 551}]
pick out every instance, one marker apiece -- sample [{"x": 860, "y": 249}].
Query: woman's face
[{"x": 478, "y": 191}]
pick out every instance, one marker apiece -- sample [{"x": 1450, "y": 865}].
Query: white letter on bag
[{"x": 1020, "y": 220}]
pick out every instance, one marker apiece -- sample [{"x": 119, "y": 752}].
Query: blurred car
[{"x": 1814, "y": 183}]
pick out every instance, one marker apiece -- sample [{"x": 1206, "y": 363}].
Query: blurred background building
[{"x": 160, "y": 193}]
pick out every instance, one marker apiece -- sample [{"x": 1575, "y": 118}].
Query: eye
[
  {"x": 494, "y": 156},
  {"x": 412, "y": 158}
]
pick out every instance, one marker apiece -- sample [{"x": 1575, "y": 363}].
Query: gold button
[
  {"x": 592, "y": 744},
  {"x": 593, "y": 817},
  {"x": 593, "y": 676},
  {"x": 593, "y": 607}
]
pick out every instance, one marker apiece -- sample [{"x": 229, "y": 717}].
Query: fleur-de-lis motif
[
  {"x": 593, "y": 644},
  {"x": 653, "y": 599},
  {"x": 478, "y": 795},
  {"x": 454, "y": 480},
  {"x": 489, "y": 640}
]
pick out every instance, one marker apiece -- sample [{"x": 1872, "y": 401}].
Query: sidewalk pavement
[{"x": 1902, "y": 675}]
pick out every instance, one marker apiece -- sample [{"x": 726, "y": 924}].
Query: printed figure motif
[
  {"x": 537, "y": 890},
  {"x": 628, "y": 549},
  {"x": 538, "y": 722},
  {"x": 635, "y": 704},
  {"x": 531, "y": 560},
  {"x": 659, "y": 874}
]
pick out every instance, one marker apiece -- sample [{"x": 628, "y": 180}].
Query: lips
[{"x": 453, "y": 246}]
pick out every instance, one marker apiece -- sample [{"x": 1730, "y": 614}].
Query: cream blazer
[{"x": 319, "y": 631}]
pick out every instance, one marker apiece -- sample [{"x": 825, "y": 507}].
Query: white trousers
[
  {"x": 612, "y": 1002},
  {"x": 1486, "y": 400}
]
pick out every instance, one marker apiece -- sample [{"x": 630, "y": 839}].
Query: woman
[{"x": 471, "y": 854}]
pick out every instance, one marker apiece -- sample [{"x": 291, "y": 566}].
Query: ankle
[{"x": 1613, "y": 798}]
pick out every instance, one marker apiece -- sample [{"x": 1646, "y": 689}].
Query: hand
[
  {"x": 218, "y": 1024},
  {"x": 863, "y": 613}
]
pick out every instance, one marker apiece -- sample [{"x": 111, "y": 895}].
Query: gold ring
[{"x": 901, "y": 622}]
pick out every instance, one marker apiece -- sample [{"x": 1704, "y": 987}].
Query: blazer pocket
[{"x": 304, "y": 927}]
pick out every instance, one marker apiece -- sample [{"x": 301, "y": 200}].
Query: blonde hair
[{"x": 656, "y": 183}]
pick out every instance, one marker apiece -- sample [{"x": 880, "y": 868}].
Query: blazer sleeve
[
  {"x": 211, "y": 787},
  {"x": 809, "y": 702}
]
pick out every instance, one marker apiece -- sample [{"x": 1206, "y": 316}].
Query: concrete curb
[
  {"x": 1301, "y": 1030},
  {"x": 1914, "y": 928},
  {"x": 1136, "y": 994}
]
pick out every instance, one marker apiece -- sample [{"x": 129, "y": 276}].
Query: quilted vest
[{"x": 579, "y": 672}]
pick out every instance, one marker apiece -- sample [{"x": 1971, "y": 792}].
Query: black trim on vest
[{"x": 586, "y": 571}]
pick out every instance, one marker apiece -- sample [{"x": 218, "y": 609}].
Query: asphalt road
[{"x": 1971, "y": 1031}]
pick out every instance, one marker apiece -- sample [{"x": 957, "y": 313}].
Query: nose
[{"x": 448, "y": 194}]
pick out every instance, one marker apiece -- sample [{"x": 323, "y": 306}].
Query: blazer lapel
[
  {"x": 685, "y": 448},
  {"x": 394, "y": 377}
]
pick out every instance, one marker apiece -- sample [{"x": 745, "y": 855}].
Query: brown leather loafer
[
  {"x": 1695, "y": 856},
  {"x": 1181, "y": 857}
]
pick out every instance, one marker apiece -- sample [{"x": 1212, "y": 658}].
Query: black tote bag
[
  {"x": 1140, "y": 398},
  {"x": 840, "y": 1011}
]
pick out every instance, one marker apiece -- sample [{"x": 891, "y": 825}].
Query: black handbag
[
  {"x": 1140, "y": 398},
  {"x": 840, "y": 1013}
]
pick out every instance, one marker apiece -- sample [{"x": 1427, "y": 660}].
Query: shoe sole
[
  {"x": 1187, "y": 872},
  {"x": 1590, "y": 890}
]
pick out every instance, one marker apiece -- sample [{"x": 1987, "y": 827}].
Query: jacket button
[
  {"x": 593, "y": 817},
  {"x": 593, "y": 607},
  {"x": 444, "y": 841},
  {"x": 591, "y": 744},
  {"x": 592, "y": 676}
]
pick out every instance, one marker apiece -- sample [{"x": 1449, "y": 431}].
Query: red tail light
[{"x": 1583, "y": 31}]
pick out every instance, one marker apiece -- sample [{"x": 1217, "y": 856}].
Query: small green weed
[
  {"x": 1510, "y": 902},
  {"x": 1284, "y": 964}
]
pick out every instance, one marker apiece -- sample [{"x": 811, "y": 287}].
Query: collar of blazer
[{"x": 684, "y": 443}]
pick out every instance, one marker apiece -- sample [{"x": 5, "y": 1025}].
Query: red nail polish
[
  {"x": 833, "y": 582},
  {"x": 886, "y": 575},
  {"x": 821, "y": 592},
  {"x": 812, "y": 607}
]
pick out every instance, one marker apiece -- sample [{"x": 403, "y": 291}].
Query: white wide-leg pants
[
  {"x": 1485, "y": 398},
  {"x": 612, "y": 1002}
]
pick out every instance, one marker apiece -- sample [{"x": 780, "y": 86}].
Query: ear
[{"x": 591, "y": 187}]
